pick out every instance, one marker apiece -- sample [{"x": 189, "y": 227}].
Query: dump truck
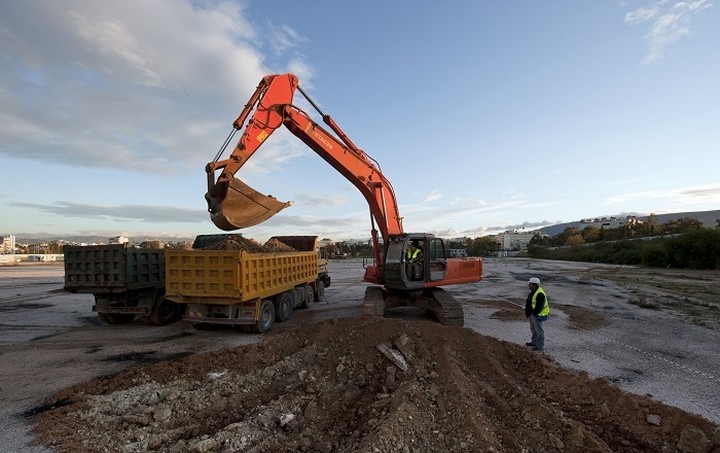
[
  {"x": 126, "y": 282},
  {"x": 246, "y": 288}
]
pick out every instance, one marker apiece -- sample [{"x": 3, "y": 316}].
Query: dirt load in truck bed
[
  {"x": 237, "y": 242},
  {"x": 365, "y": 385}
]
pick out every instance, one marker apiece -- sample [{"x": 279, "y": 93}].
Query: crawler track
[{"x": 443, "y": 305}]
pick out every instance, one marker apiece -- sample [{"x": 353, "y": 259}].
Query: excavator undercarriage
[{"x": 439, "y": 302}]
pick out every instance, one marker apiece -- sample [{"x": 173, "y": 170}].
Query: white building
[
  {"x": 611, "y": 222},
  {"x": 8, "y": 244},
  {"x": 518, "y": 240},
  {"x": 118, "y": 240}
]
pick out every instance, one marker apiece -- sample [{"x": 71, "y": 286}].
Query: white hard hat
[{"x": 534, "y": 280}]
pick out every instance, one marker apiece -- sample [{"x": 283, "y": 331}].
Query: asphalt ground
[{"x": 637, "y": 333}]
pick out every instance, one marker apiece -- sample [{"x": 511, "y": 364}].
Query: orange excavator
[{"x": 401, "y": 277}]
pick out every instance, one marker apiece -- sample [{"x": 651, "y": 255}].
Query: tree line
[{"x": 683, "y": 243}]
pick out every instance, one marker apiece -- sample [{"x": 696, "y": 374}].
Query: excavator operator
[{"x": 414, "y": 262}]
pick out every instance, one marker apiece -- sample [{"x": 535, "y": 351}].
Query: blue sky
[{"x": 485, "y": 116}]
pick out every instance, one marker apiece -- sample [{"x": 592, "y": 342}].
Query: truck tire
[
  {"x": 164, "y": 312},
  {"x": 116, "y": 318},
  {"x": 267, "y": 317},
  {"x": 284, "y": 304},
  {"x": 319, "y": 294}
]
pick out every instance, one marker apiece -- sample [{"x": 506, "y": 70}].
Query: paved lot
[{"x": 619, "y": 323}]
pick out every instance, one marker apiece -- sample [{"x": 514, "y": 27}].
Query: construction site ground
[{"x": 630, "y": 364}]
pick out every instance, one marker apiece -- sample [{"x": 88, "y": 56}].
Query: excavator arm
[{"x": 234, "y": 205}]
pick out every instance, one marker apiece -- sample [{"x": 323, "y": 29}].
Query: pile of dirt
[
  {"x": 237, "y": 242},
  {"x": 365, "y": 385},
  {"x": 275, "y": 245}
]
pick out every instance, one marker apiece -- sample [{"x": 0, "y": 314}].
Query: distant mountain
[{"x": 707, "y": 218}]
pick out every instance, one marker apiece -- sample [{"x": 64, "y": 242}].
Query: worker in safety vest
[
  {"x": 537, "y": 309},
  {"x": 414, "y": 261}
]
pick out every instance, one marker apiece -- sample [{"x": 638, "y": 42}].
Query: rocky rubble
[{"x": 365, "y": 385}]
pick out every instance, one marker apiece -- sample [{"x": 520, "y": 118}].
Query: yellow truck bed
[{"x": 225, "y": 277}]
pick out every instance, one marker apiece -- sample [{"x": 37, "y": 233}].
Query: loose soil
[
  {"x": 364, "y": 385},
  {"x": 237, "y": 242}
]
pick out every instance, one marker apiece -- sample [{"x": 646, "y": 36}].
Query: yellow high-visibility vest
[
  {"x": 546, "y": 309},
  {"x": 412, "y": 255}
]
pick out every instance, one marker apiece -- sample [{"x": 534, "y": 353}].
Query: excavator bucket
[{"x": 242, "y": 206}]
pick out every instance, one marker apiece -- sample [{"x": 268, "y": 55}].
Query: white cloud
[
  {"x": 139, "y": 213},
  {"x": 121, "y": 79},
  {"x": 432, "y": 196},
  {"x": 669, "y": 22},
  {"x": 680, "y": 195},
  {"x": 706, "y": 193},
  {"x": 283, "y": 38}
]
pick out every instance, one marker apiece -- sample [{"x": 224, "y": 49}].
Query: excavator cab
[
  {"x": 233, "y": 204},
  {"x": 414, "y": 260}
]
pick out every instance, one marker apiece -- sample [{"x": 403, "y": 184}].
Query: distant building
[
  {"x": 611, "y": 222},
  {"x": 8, "y": 244},
  {"x": 518, "y": 240},
  {"x": 118, "y": 240}
]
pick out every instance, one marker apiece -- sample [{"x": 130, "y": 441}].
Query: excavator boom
[{"x": 234, "y": 205}]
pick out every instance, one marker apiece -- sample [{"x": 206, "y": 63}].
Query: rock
[
  {"x": 162, "y": 415},
  {"x": 405, "y": 346},
  {"x": 286, "y": 418},
  {"x": 693, "y": 440},
  {"x": 654, "y": 419},
  {"x": 204, "y": 446},
  {"x": 136, "y": 419},
  {"x": 395, "y": 356},
  {"x": 311, "y": 411},
  {"x": 390, "y": 376}
]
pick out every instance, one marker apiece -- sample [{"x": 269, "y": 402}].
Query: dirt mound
[
  {"x": 274, "y": 245},
  {"x": 237, "y": 242},
  {"x": 365, "y": 385}
]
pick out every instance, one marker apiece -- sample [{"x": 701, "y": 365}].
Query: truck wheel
[
  {"x": 283, "y": 304},
  {"x": 319, "y": 291},
  {"x": 267, "y": 317},
  {"x": 116, "y": 318},
  {"x": 164, "y": 312}
]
